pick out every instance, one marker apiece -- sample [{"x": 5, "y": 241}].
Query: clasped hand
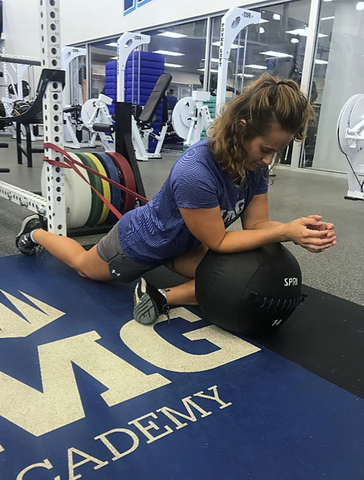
[{"x": 312, "y": 233}]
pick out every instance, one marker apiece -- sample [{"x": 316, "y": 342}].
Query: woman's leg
[
  {"x": 87, "y": 263},
  {"x": 185, "y": 265},
  {"x": 183, "y": 294},
  {"x": 151, "y": 302}
]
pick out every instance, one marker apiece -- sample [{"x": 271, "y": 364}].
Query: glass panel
[
  {"x": 100, "y": 54},
  {"x": 184, "y": 49},
  {"x": 277, "y": 45},
  {"x": 338, "y": 74},
  {"x": 235, "y": 62},
  {"x": 214, "y": 55},
  {"x": 75, "y": 91}
]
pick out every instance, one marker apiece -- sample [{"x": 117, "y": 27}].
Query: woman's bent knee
[{"x": 90, "y": 265}]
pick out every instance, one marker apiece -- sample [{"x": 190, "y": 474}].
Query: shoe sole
[
  {"x": 25, "y": 221},
  {"x": 145, "y": 311},
  {"x": 23, "y": 225},
  {"x": 144, "y": 307}
]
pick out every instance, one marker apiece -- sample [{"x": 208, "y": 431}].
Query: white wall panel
[
  {"x": 84, "y": 20},
  {"x": 100, "y": 19}
]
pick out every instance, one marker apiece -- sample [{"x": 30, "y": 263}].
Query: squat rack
[{"x": 53, "y": 207}]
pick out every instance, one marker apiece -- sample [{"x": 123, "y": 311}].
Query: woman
[{"x": 212, "y": 184}]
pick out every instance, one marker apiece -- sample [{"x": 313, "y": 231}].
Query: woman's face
[{"x": 261, "y": 150}]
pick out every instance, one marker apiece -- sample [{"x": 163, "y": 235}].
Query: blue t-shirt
[{"x": 156, "y": 232}]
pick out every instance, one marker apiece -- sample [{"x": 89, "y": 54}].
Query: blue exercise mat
[{"x": 86, "y": 392}]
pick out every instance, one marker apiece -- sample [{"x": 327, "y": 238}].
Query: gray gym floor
[{"x": 337, "y": 271}]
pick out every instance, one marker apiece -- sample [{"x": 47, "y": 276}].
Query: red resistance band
[{"x": 71, "y": 163}]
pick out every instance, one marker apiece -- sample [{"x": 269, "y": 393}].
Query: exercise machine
[
  {"x": 74, "y": 93},
  {"x": 190, "y": 116},
  {"x": 18, "y": 91},
  {"x": 232, "y": 23},
  {"x": 141, "y": 124},
  {"x": 34, "y": 115},
  {"x": 95, "y": 113},
  {"x": 350, "y": 136}
]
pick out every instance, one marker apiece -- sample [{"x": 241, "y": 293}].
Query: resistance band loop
[{"x": 71, "y": 163}]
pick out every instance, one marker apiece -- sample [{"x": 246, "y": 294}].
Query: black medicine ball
[{"x": 252, "y": 293}]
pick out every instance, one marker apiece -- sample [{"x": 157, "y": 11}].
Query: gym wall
[
  {"x": 85, "y": 20},
  {"x": 21, "y": 30},
  {"x": 152, "y": 13}
]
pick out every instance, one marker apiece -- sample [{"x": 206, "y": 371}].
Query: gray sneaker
[
  {"x": 23, "y": 241},
  {"x": 149, "y": 303}
]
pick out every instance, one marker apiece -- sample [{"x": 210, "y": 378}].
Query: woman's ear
[{"x": 243, "y": 122}]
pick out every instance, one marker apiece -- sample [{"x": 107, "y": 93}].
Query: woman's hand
[{"x": 311, "y": 233}]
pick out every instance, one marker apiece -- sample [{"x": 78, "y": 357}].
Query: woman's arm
[{"x": 208, "y": 227}]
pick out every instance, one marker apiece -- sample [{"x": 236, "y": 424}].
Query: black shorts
[{"x": 121, "y": 267}]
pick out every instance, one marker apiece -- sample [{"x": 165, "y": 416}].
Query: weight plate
[
  {"x": 112, "y": 173},
  {"x": 126, "y": 179},
  {"x": 97, "y": 203},
  {"x": 77, "y": 196},
  {"x": 106, "y": 190}
]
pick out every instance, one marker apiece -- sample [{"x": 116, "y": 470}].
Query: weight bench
[
  {"x": 34, "y": 115},
  {"x": 147, "y": 114},
  {"x": 142, "y": 128}
]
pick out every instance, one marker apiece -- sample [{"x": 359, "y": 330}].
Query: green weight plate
[{"x": 97, "y": 203}]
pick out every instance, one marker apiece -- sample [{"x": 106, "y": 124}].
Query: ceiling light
[
  {"x": 327, "y": 18},
  {"x": 262, "y": 20},
  {"x": 276, "y": 16},
  {"x": 173, "y": 65},
  {"x": 172, "y": 34},
  {"x": 261, "y": 30},
  {"x": 359, "y": 6},
  {"x": 257, "y": 67},
  {"x": 321, "y": 62},
  {"x": 166, "y": 52},
  {"x": 217, "y": 44},
  {"x": 247, "y": 75},
  {"x": 271, "y": 53},
  {"x": 112, "y": 44},
  {"x": 303, "y": 32},
  {"x": 211, "y": 70},
  {"x": 294, "y": 40},
  {"x": 216, "y": 60}
]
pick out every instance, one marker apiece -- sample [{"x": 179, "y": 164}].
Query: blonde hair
[{"x": 266, "y": 102}]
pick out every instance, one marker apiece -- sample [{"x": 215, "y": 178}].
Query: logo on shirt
[{"x": 230, "y": 216}]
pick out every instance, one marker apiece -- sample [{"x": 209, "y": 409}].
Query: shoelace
[{"x": 165, "y": 311}]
